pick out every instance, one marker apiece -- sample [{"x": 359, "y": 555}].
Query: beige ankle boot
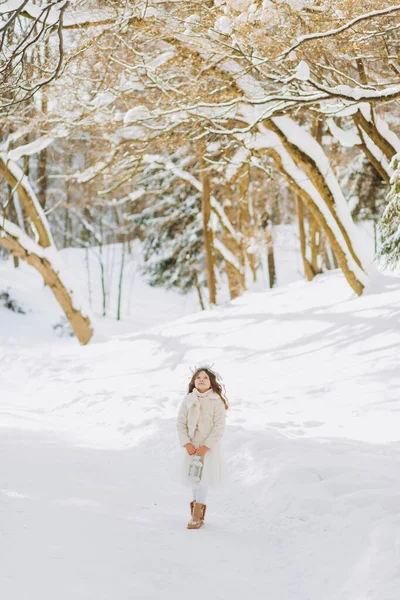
[
  {"x": 198, "y": 515},
  {"x": 192, "y": 507}
]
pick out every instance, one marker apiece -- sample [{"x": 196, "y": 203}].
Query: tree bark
[
  {"x": 339, "y": 253},
  {"x": 236, "y": 279},
  {"x": 30, "y": 204},
  {"x": 208, "y": 237},
  {"x": 308, "y": 270},
  {"x": 199, "y": 294},
  {"x": 42, "y": 178},
  {"x": 270, "y": 256},
  {"x": 80, "y": 324},
  {"x": 372, "y": 131},
  {"x": 27, "y": 202},
  {"x": 378, "y": 166},
  {"x": 121, "y": 275},
  {"x": 315, "y": 237},
  {"x": 307, "y": 164}
]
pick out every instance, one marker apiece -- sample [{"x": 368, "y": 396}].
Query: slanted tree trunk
[
  {"x": 321, "y": 219},
  {"x": 199, "y": 294},
  {"x": 19, "y": 183},
  {"x": 333, "y": 226},
  {"x": 12, "y": 241},
  {"x": 377, "y": 164},
  {"x": 374, "y": 134},
  {"x": 79, "y": 323}
]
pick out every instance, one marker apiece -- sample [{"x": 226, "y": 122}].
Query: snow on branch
[
  {"x": 28, "y": 248},
  {"x": 383, "y": 128},
  {"x": 269, "y": 139},
  {"x": 9, "y": 228},
  {"x": 223, "y": 219},
  {"x": 332, "y": 32},
  {"x": 36, "y": 146},
  {"x": 49, "y": 13},
  {"x": 308, "y": 144},
  {"x": 227, "y": 255},
  {"x": 347, "y": 137},
  {"x": 21, "y": 184}
]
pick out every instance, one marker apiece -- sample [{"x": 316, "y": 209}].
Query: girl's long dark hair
[{"x": 216, "y": 386}]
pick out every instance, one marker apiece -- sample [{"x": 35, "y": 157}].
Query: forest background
[{"x": 199, "y": 128}]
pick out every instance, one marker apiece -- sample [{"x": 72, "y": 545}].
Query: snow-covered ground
[{"x": 90, "y": 507}]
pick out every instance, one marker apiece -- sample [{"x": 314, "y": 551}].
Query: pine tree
[
  {"x": 173, "y": 240},
  {"x": 389, "y": 225}
]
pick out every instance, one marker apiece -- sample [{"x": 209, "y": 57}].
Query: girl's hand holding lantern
[
  {"x": 190, "y": 449},
  {"x": 202, "y": 450}
]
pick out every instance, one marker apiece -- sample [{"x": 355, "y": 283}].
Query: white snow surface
[
  {"x": 137, "y": 113},
  {"x": 224, "y": 25},
  {"x": 347, "y": 137},
  {"x": 302, "y": 71},
  {"x": 90, "y": 505}
]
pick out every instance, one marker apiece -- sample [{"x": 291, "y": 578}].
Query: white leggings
[{"x": 200, "y": 494}]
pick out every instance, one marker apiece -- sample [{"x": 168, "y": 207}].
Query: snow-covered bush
[
  {"x": 63, "y": 329},
  {"x": 8, "y": 302}
]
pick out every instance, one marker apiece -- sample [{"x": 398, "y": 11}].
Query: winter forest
[{"x": 187, "y": 182}]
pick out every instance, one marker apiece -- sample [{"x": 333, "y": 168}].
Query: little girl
[{"x": 201, "y": 425}]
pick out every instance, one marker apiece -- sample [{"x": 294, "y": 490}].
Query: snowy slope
[{"x": 90, "y": 506}]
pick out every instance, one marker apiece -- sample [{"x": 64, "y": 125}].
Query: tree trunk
[
  {"x": 372, "y": 131},
  {"x": 88, "y": 272},
  {"x": 270, "y": 256},
  {"x": 19, "y": 183},
  {"x": 121, "y": 275},
  {"x": 235, "y": 288},
  {"x": 383, "y": 172},
  {"x": 246, "y": 223},
  {"x": 308, "y": 270},
  {"x": 236, "y": 279},
  {"x": 343, "y": 248},
  {"x": 326, "y": 260},
  {"x": 338, "y": 251},
  {"x": 42, "y": 178},
  {"x": 31, "y": 206},
  {"x": 315, "y": 246},
  {"x": 199, "y": 294},
  {"x": 80, "y": 324},
  {"x": 208, "y": 237}
]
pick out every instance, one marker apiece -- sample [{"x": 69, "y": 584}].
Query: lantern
[{"x": 195, "y": 468}]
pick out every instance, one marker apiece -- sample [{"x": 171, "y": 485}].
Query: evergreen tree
[
  {"x": 171, "y": 227},
  {"x": 365, "y": 189},
  {"x": 389, "y": 225}
]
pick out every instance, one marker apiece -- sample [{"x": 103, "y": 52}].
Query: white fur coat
[{"x": 201, "y": 421}]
